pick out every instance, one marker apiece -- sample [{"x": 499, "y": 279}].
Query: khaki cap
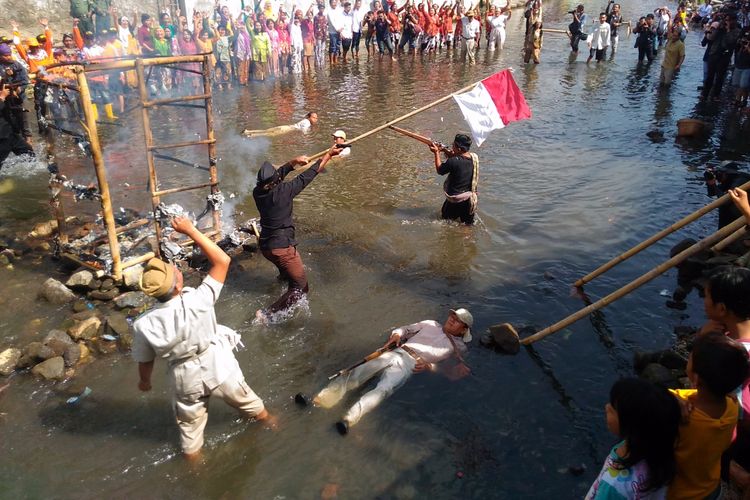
[
  {"x": 340, "y": 133},
  {"x": 158, "y": 278}
]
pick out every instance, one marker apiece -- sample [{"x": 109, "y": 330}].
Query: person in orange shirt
[
  {"x": 114, "y": 48},
  {"x": 716, "y": 367},
  {"x": 38, "y": 51}
]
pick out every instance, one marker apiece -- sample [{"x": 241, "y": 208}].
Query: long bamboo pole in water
[
  {"x": 101, "y": 172},
  {"x": 704, "y": 244},
  {"x": 658, "y": 236}
]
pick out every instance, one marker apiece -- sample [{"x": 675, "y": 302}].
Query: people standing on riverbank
[
  {"x": 716, "y": 367},
  {"x": 460, "y": 187},
  {"x": 416, "y": 348},
  {"x": 645, "y": 417},
  {"x": 274, "y": 199},
  {"x": 182, "y": 329}
]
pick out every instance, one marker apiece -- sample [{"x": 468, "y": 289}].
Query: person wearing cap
[
  {"x": 460, "y": 187},
  {"x": 275, "y": 202},
  {"x": 182, "y": 329},
  {"x": 470, "y": 32},
  {"x": 305, "y": 126},
  {"x": 421, "y": 347},
  {"x": 339, "y": 137}
]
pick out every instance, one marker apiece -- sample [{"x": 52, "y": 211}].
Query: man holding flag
[{"x": 460, "y": 186}]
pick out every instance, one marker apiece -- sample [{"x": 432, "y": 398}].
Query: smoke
[{"x": 238, "y": 169}]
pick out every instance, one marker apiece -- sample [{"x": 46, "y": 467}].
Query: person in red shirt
[
  {"x": 308, "y": 39},
  {"x": 320, "y": 24},
  {"x": 431, "y": 27},
  {"x": 143, "y": 35}
]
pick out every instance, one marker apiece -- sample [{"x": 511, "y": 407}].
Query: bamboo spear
[
  {"x": 658, "y": 236},
  {"x": 508, "y": 332},
  {"x": 392, "y": 122}
]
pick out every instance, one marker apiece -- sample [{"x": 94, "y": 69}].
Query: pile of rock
[{"x": 98, "y": 325}]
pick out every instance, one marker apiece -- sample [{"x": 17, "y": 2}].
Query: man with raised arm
[{"x": 182, "y": 330}]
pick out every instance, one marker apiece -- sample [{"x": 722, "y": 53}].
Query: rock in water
[
  {"x": 8, "y": 360},
  {"x": 659, "y": 375},
  {"x": 56, "y": 293},
  {"x": 47, "y": 351},
  {"x": 52, "y": 369},
  {"x": 131, "y": 277},
  {"x": 86, "y": 329},
  {"x": 72, "y": 355},
  {"x": 80, "y": 280},
  {"x": 44, "y": 229},
  {"x": 32, "y": 349},
  {"x": 107, "y": 284},
  {"x": 99, "y": 295},
  {"x": 131, "y": 299},
  {"x": 505, "y": 338},
  {"x": 80, "y": 305},
  {"x": 57, "y": 335}
]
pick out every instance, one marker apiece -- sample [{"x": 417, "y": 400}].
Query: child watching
[
  {"x": 727, "y": 304},
  {"x": 716, "y": 367},
  {"x": 646, "y": 418}
]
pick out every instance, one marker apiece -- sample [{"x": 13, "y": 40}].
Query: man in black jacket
[
  {"x": 13, "y": 129},
  {"x": 275, "y": 201}
]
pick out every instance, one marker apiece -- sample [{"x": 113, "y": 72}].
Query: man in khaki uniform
[{"x": 182, "y": 330}]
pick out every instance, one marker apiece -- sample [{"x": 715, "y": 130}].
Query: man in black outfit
[
  {"x": 13, "y": 129},
  {"x": 275, "y": 201},
  {"x": 460, "y": 187}
]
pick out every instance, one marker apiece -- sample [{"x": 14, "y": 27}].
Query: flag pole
[{"x": 393, "y": 122}]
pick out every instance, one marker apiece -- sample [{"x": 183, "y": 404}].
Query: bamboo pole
[
  {"x": 101, "y": 172},
  {"x": 735, "y": 236},
  {"x": 658, "y": 236},
  {"x": 182, "y": 144},
  {"x": 181, "y": 189},
  {"x": 213, "y": 173},
  {"x": 421, "y": 138},
  {"x": 392, "y": 122},
  {"x": 149, "y": 140},
  {"x": 554, "y": 30},
  {"x": 138, "y": 260},
  {"x": 704, "y": 244},
  {"x": 171, "y": 100}
]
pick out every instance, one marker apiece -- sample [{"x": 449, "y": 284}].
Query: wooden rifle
[{"x": 425, "y": 140}]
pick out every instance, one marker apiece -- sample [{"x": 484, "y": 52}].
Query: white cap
[
  {"x": 340, "y": 133},
  {"x": 467, "y": 319}
]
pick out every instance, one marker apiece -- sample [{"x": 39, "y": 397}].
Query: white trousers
[
  {"x": 613, "y": 42},
  {"x": 395, "y": 368},
  {"x": 470, "y": 47},
  {"x": 497, "y": 35}
]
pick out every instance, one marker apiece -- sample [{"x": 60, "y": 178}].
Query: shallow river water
[{"x": 559, "y": 194}]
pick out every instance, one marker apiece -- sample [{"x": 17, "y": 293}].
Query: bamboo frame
[
  {"x": 213, "y": 173},
  {"x": 149, "y": 140},
  {"x": 101, "y": 173},
  {"x": 658, "y": 236},
  {"x": 704, "y": 244}
]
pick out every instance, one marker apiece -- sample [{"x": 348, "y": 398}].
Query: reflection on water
[{"x": 559, "y": 195}]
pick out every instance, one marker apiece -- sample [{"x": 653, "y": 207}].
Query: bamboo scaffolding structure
[
  {"x": 735, "y": 236},
  {"x": 704, "y": 244},
  {"x": 180, "y": 161},
  {"x": 101, "y": 173},
  {"x": 149, "y": 140},
  {"x": 162, "y": 102},
  {"x": 181, "y": 189},
  {"x": 183, "y": 144},
  {"x": 213, "y": 173},
  {"x": 658, "y": 236},
  {"x": 129, "y": 62}
]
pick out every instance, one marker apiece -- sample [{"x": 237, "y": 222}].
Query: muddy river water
[{"x": 559, "y": 194}]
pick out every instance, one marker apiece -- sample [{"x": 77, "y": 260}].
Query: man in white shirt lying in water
[
  {"x": 305, "y": 126},
  {"x": 418, "y": 348}
]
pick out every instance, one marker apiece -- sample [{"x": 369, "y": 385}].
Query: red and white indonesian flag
[{"x": 492, "y": 104}]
